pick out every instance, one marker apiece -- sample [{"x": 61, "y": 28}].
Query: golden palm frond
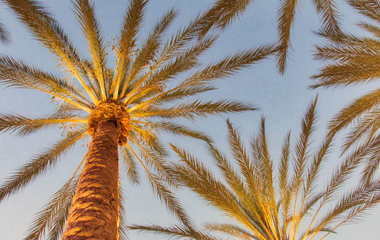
[{"x": 269, "y": 209}]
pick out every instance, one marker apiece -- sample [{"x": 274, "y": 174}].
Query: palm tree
[
  {"x": 122, "y": 109},
  {"x": 355, "y": 61},
  {"x": 282, "y": 204}
]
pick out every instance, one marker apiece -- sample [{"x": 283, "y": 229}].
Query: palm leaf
[
  {"x": 4, "y": 34},
  {"x": 25, "y": 125},
  {"x": 46, "y": 29},
  {"x": 196, "y": 109},
  {"x": 91, "y": 29},
  {"x": 53, "y": 216},
  {"x": 39, "y": 164}
]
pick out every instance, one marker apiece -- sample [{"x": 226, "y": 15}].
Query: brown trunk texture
[{"x": 95, "y": 208}]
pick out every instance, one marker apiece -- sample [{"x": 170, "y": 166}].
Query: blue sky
[{"x": 282, "y": 99}]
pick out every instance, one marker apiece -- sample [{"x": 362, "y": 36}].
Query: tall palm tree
[
  {"x": 267, "y": 203},
  {"x": 122, "y": 109},
  {"x": 355, "y": 61}
]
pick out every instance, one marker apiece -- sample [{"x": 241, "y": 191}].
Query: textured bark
[{"x": 95, "y": 208}]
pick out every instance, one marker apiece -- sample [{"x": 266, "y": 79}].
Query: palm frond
[
  {"x": 369, "y": 8},
  {"x": 330, "y": 16},
  {"x": 53, "y": 216},
  {"x": 221, "y": 14},
  {"x": 46, "y": 29},
  {"x": 230, "y": 65},
  {"x": 15, "y": 73},
  {"x": 286, "y": 17},
  {"x": 354, "y": 203},
  {"x": 91, "y": 29},
  {"x": 195, "y": 109},
  {"x": 231, "y": 230},
  {"x": 25, "y": 125},
  {"x": 39, "y": 164},
  {"x": 4, "y": 34},
  {"x": 365, "y": 128},
  {"x": 148, "y": 50},
  {"x": 127, "y": 40},
  {"x": 177, "y": 129},
  {"x": 175, "y": 232},
  {"x": 347, "y": 115},
  {"x": 375, "y": 30},
  {"x": 123, "y": 228},
  {"x": 130, "y": 165}
]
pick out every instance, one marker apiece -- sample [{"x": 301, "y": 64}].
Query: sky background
[{"x": 281, "y": 99}]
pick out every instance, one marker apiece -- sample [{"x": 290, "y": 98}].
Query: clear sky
[{"x": 282, "y": 99}]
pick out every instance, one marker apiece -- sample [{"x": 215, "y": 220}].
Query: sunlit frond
[
  {"x": 91, "y": 29},
  {"x": 46, "y": 29},
  {"x": 195, "y": 109},
  {"x": 148, "y": 50},
  {"x": 25, "y": 126},
  {"x": 14, "y": 73}
]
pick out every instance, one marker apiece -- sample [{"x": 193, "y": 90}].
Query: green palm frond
[
  {"x": 25, "y": 125},
  {"x": 39, "y": 164}
]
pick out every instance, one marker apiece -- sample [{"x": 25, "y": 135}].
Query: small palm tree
[
  {"x": 355, "y": 61},
  {"x": 286, "y": 206},
  {"x": 122, "y": 109}
]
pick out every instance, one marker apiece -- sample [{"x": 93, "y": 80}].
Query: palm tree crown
[
  {"x": 134, "y": 96},
  {"x": 282, "y": 204},
  {"x": 355, "y": 61}
]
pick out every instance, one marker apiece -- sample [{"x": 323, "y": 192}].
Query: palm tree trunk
[{"x": 95, "y": 208}]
